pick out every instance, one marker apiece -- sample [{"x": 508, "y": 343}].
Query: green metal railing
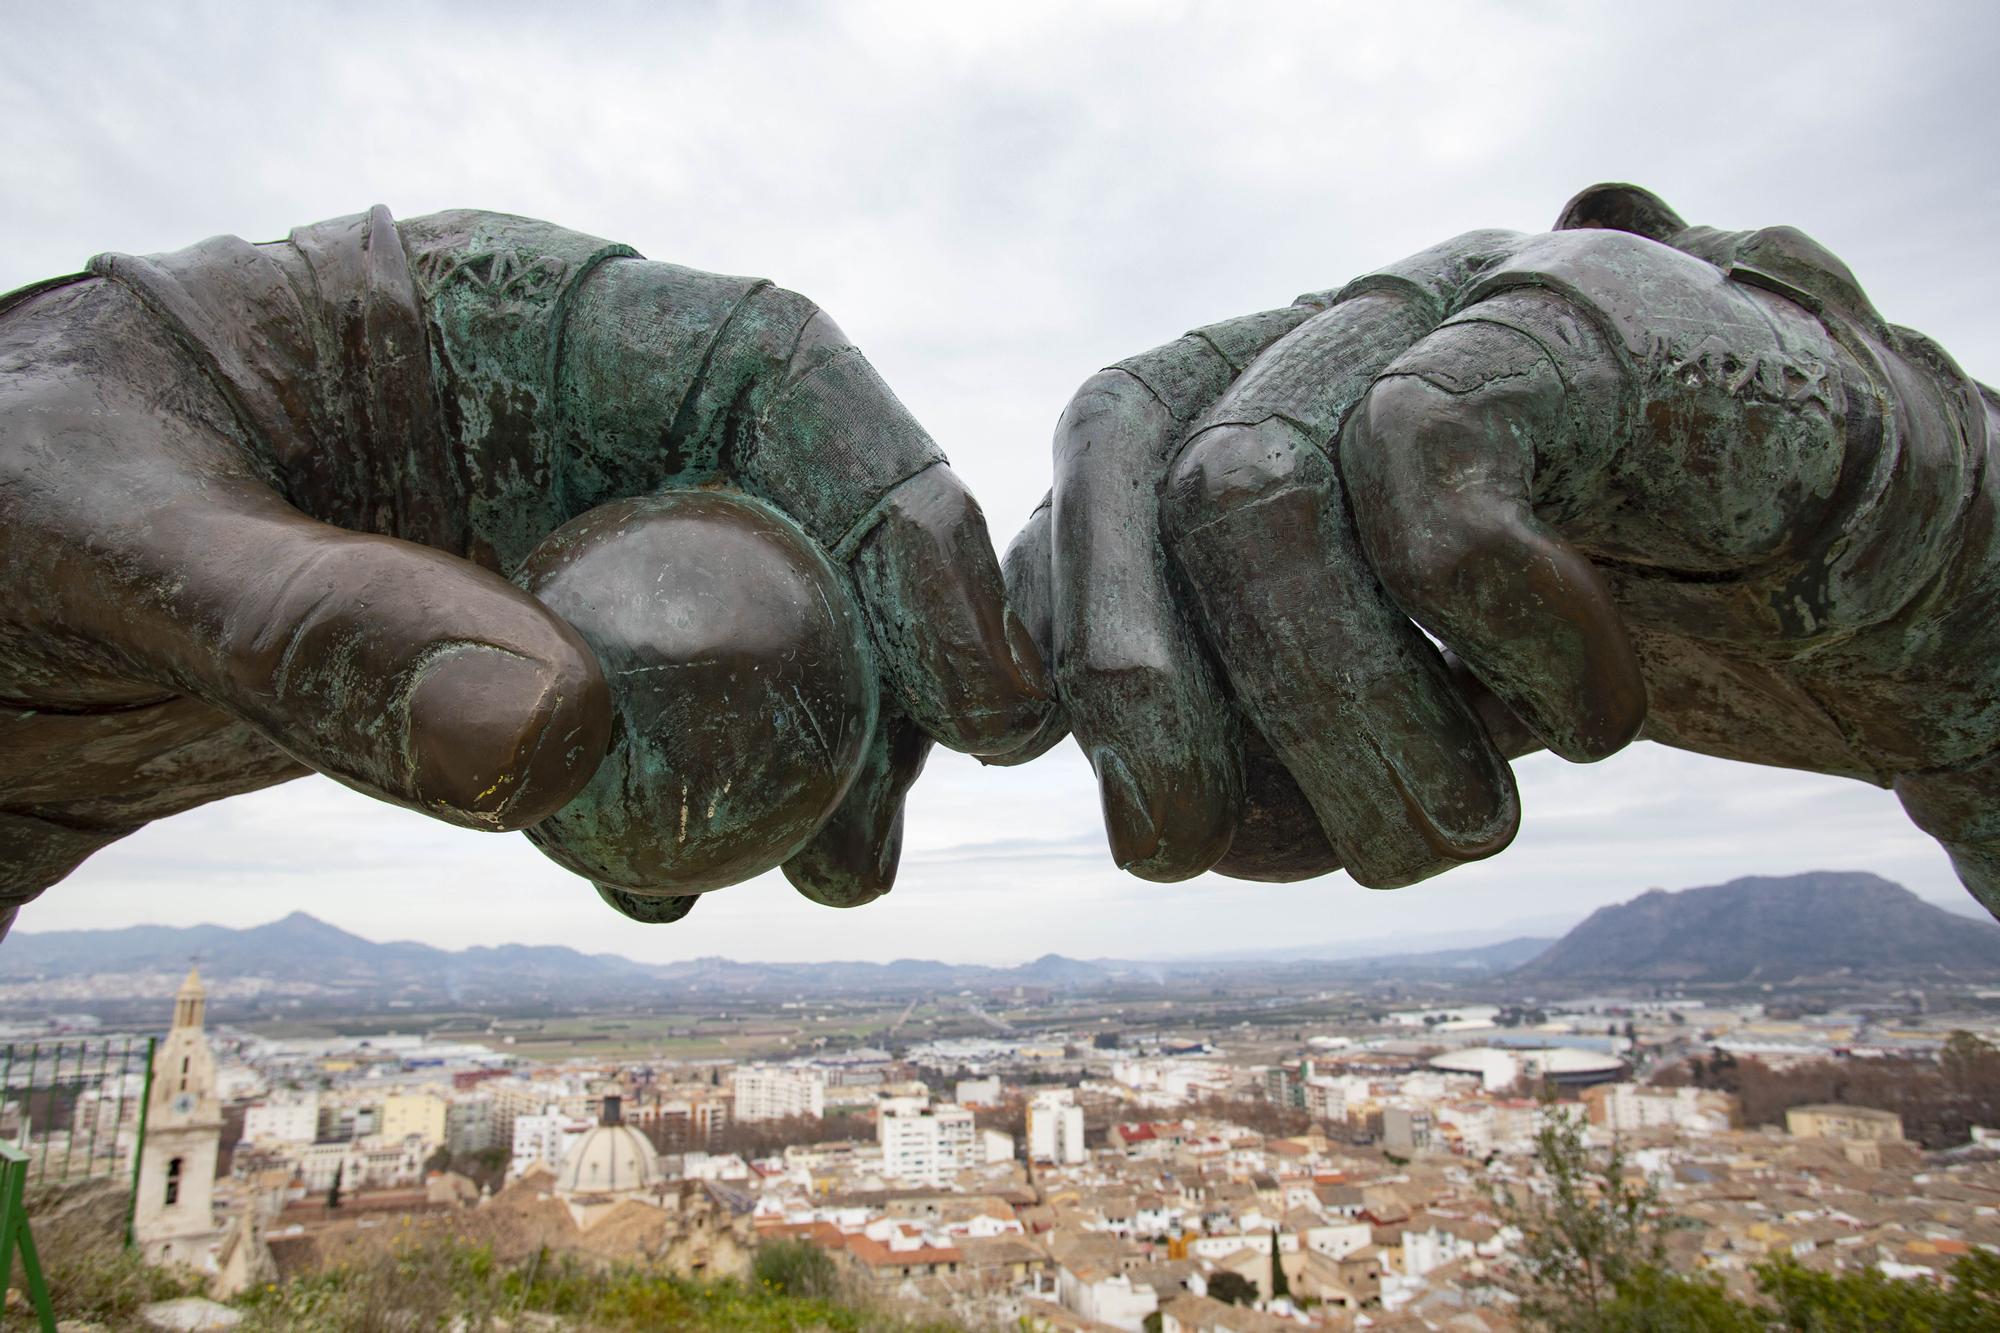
[
  {"x": 75, "y": 1107},
  {"x": 15, "y": 1236},
  {"x": 75, "y": 1110}
]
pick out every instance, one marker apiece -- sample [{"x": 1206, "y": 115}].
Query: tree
[
  {"x": 1838, "y": 1302},
  {"x": 1232, "y": 1287},
  {"x": 1280, "y": 1284},
  {"x": 1592, "y": 1229},
  {"x": 1593, "y": 1260},
  {"x": 1653, "y": 1300},
  {"x": 1939, "y": 1100},
  {"x": 1805, "y": 1301},
  {"x": 333, "y": 1194}
]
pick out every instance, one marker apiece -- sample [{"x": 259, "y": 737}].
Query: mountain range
[
  {"x": 1823, "y": 924},
  {"x": 304, "y": 959}
]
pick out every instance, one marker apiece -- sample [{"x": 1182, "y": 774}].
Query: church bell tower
[{"x": 174, "y": 1216}]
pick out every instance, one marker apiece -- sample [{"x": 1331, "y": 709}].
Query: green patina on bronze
[
  {"x": 1638, "y": 478},
  {"x": 292, "y": 479},
  {"x": 261, "y": 505}
]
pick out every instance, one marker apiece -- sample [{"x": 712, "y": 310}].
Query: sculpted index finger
[
  {"x": 953, "y": 655},
  {"x": 1143, "y": 701},
  {"x": 1026, "y": 568}
]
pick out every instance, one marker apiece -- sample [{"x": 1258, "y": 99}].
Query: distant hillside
[
  {"x": 301, "y": 960},
  {"x": 1750, "y": 930},
  {"x": 303, "y": 955},
  {"x": 1771, "y": 929}
]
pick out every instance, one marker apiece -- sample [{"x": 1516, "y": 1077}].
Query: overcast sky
[{"x": 995, "y": 201}]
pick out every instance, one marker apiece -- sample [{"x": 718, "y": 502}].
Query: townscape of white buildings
[{"x": 1049, "y": 1180}]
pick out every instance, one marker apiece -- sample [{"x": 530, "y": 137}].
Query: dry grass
[{"x": 79, "y": 1234}]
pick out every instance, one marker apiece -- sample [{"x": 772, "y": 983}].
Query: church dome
[{"x": 610, "y": 1159}]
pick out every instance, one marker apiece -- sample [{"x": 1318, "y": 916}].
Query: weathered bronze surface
[
  {"x": 261, "y": 504},
  {"x": 1640, "y": 479},
  {"x": 743, "y": 695}
]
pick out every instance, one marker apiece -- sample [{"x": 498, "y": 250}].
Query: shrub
[{"x": 797, "y": 1268}]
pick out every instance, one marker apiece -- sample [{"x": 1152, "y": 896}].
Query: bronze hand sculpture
[
  {"x": 261, "y": 503},
  {"x": 1640, "y": 479}
]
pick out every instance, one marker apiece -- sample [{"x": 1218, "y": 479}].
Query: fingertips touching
[
  {"x": 1030, "y": 592},
  {"x": 954, "y": 657}
]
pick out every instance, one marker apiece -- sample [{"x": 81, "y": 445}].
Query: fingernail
[
  {"x": 1456, "y": 786},
  {"x": 652, "y": 911},
  {"x": 852, "y": 859},
  {"x": 1027, "y": 658},
  {"x": 1127, "y": 821},
  {"x": 499, "y": 736}
]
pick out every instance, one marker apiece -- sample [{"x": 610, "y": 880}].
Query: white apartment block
[
  {"x": 541, "y": 1140},
  {"x": 519, "y": 1096},
  {"x": 1055, "y": 1128},
  {"x": 292, "y": 1120},
  {"x": 1337, "y": 1240},
  {"x": 774, "y": 1094},
  {"x": 1170, "y": 1082},
  {"x": 1628, "y": 1108},
  {"x": 470, "y": 1125},
  {"x": 925, "y": 1144},
  {"x": 1435, "y": 1247},
  {"x": 1326, "y": 1098}
]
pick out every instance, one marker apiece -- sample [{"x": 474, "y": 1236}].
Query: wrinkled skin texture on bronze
[
  {"x": 1640, "y": 479},
  {"x": 261, "y": 503}
]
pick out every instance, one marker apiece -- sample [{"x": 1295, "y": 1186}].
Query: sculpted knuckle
[
  {"x": 1402, "y": 406},
  {"x": 1227, "y": 468},
  {"x": 1107, "y": 395}
]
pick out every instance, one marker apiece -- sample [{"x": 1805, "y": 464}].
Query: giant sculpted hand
[
  {"x": 258, "y": 504},
  {"x": 1639, "y": 479}
]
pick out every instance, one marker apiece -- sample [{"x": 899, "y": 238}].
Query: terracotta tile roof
[{"x": 877, "y": 1255}]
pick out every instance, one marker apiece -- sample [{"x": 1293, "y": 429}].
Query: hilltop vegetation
[{"x": 438, "y": 1283}]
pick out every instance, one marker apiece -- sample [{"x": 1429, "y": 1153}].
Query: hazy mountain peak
[{"x": 1771, "y": 928}]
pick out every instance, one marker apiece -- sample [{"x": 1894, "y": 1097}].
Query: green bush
[
  {"x": 797, "y": 1268},
  {"x": 1653, "y": 1300},
  {"x": 1805, "y": 1301}
]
